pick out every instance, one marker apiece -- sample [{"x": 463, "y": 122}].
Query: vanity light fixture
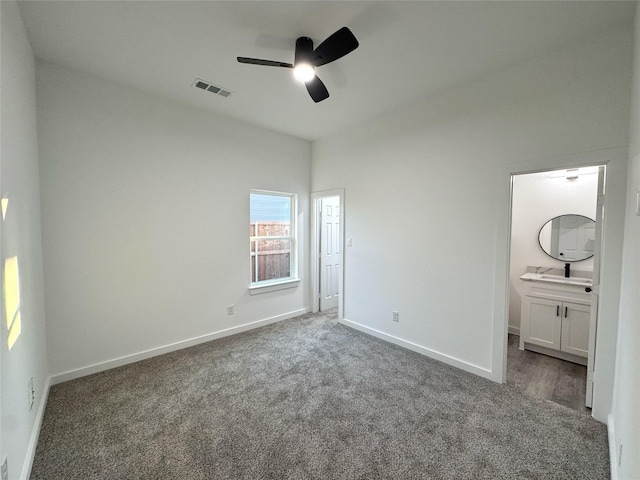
[{"x": 572, "y": 174}]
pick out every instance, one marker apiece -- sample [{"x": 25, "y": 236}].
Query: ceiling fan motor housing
[{"x": 304, "y": 51}]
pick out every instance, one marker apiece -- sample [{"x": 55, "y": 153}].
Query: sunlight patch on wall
[
  {"x": 4, "y": 203},
  {"x": 12, "y": 299},
  {"x": 14, "y": 331}
]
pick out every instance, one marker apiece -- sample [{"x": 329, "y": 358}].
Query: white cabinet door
[
  {"x": 544, "y": 323},
  {"x": 575, "y": 328}
]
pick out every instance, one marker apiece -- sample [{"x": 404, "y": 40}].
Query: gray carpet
[{"x": 308, "y": 398}]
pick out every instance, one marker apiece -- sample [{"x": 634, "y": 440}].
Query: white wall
[
  {"x": 624, "y": 424},
  {"x": 422, "y": 201},
  {"x": 146, "y": 220},
  {"x": 537, "y": 198},
  {"x": 19, "y": 425}
]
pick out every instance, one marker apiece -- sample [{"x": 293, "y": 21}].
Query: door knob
[{"x": 587, "y": 289}]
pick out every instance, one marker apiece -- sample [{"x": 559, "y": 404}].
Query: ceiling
[{"x": 408, "y": 50}]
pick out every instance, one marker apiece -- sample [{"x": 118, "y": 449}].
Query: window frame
[{"x": 292, "y": 280}]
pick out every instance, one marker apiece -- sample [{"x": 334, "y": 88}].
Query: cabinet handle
[
  {"x": 557, "y": 310},
  {"x": 566, "y": 311}
]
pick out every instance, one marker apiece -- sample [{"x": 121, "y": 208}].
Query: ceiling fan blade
[
  {"x": 336, "y": 46},
  {"x": 317, "y": 90},
  {"x": 268, "y": 63}
]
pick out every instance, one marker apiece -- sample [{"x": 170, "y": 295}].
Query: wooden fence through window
[{"x": 273, "y": 255}]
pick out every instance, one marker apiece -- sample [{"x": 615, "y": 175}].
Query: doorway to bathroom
[
  {"x": 556, "y": 233},
  {"x": 327, "y": 242}
]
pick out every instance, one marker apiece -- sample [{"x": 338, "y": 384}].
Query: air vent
[{"x": 210, "y": 87}]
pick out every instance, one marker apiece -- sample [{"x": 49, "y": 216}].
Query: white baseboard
[
  {"x": 514, "y": 330},
  {"x": 136, "y": 357},
  {"x": 461, "y": 364},
  {"x": 35, "y": 432},
  {"x": 613, "y": 454}
]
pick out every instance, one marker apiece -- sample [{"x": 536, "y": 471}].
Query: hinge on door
[
  {"x": 600, "y": 201},
  {"x": 590, "y": 376}
]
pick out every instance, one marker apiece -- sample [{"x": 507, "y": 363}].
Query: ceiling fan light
[{"x": 304, "y": 72}]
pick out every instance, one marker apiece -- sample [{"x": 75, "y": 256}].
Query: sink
[
  {"x": 574, "y": 280},
  {"x": 557, "y": 278}
]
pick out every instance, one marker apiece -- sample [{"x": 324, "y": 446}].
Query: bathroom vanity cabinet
[{"x": 555, "y": 319}]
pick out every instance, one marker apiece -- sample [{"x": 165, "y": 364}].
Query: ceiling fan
[{"x": 306, "y": 59}]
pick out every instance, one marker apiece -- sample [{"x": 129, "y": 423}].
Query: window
[{"x": 272, "y": 235}]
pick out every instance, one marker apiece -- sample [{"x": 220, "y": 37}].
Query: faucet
[{"x": 567, "y": 270}]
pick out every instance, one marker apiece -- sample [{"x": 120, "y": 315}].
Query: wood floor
[{"x": 546, "y": 377}]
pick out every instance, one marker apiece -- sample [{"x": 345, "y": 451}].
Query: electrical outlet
[
  {"x": 396, "y": 317},
  {"x": 4, "y": 470},
  {"x": 31, "y": 393},
  {"x": 230, "y": 309}
]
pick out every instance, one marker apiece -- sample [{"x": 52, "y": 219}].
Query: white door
[
  {"x": 330, "y": 254},
  {"x": 595, "y": 290}
]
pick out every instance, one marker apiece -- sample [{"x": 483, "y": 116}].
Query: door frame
[
  {"x": 613, "y": 159},
  {"x": 314, "y": 251},
  {"x": 595, "y": 292}
]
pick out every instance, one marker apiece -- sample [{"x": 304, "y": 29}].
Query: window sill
[{"x": 272, "y": 287}]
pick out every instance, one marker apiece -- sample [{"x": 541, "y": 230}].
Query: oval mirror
[{"x": 568, "y": 238}]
